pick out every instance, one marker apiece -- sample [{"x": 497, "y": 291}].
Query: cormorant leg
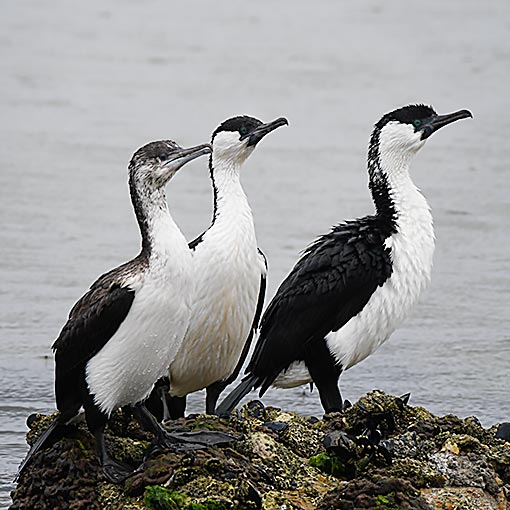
[
  {"x": 113, "y": 470},
  {"x": 325, "y": 373},
  {"x": 161, "y": 405},
  {"x": 165, "y": 397},
  {"x": 213, "y": 392},
  {"x": 179, "y": 441},
  {"x": 148, "y": 422},
  {"x": 330, "y": 396},
  {"x": 157, "y": 402},
  {"x": 176, "y": 407}
]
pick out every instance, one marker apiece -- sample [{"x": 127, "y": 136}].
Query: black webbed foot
[
  {"x": 178, "y": 441},
  {"x": 202, "y": 438},
  {"x": 188, "y": 441},
  {"x": 116, "y": 472}
]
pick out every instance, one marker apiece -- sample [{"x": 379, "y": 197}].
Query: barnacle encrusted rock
[{"x": 381, "y": 453}]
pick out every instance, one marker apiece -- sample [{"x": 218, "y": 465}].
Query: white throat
[
  {"x": 411, "y": 208},
  {"x": 230, "y": 198},
  {"x": 167, "y": 238}
]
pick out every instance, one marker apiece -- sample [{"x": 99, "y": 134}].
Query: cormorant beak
[
  {"x": 181, "y": 157},
  {"x": 440, "y": 121},
  {"x": 257, "y": 134}
]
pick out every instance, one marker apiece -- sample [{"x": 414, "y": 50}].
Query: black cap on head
[
  {"x": 407, "y": 114},
  {"x": 424, "y": 119},
  {"x": 249, "y": 128},
  {"x": 243, "y": 124}
]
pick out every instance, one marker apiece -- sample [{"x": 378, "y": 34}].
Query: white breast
[
  {"x": 412, "y": 249},
  {"x": 227, "y": 271},
  {"x": 139, "y": 353}
]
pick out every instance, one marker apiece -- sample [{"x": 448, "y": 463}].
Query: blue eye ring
[
  {"x": 243, "y": 130},
  {"x": 417, "y": 123}
]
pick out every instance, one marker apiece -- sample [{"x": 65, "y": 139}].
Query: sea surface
[{"x": 84, "y": 84}]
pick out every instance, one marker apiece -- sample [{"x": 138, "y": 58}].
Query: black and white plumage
[
  {"x": 229, "y": 272},
  {"x": 353, "y": 286},
  {"x": 124, "y": 332}
]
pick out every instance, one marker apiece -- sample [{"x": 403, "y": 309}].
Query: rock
[
  {"x": 375, "y": 492},
  {"x": 453, "y": 498},
  {"x": 379, "y": 454}
]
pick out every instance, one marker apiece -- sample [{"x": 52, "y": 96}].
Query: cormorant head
[
  {"x": 405, "y": 130},
  {"x": 235, "y": 138},
  {"x": 154, "y": 164}
]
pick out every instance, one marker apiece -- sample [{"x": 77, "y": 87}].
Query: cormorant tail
[
  {"x": 52, "y": 434},
  {"x": 233, "y": 398}
]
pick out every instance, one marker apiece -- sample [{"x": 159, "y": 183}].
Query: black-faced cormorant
[
  {"x": 353, "y": 286},
  {"x": 229, "y": 272},
  {"x": 122, "y": 335}
]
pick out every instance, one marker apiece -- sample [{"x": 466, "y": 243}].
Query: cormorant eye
[
  {"x": 243, "y": 130},
  {"x": 417, "y": 123}
]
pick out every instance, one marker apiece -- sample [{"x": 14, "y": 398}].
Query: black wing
[
  {"x": 329, "y": 285},
  {"x": 93, "y": 320},
  {"x": 255, "y": 324}
]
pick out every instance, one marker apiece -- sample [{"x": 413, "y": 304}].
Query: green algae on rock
[{"x": 380, "y": 453}]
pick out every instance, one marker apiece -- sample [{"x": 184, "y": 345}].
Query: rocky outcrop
[{"x": 380, "y": 454}]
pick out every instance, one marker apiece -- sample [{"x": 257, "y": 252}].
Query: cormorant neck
[
  {"x": 395, "y": 196},
  {"x": 151, "y": 208},
  {"x": 227, "y": 189},
  {"x": 380, "y": 186}
]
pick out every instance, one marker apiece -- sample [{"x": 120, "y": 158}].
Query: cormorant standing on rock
[
  {"x": 354, "y": 285},
  {"x": 122, "y": 335},
  {"x": 229, "y": 271}
]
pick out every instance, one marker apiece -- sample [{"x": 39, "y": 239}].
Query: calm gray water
[{"x": 84, "y": 84}]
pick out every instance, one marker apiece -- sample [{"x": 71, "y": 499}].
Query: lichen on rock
[{"x": 381, "y": 453}]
